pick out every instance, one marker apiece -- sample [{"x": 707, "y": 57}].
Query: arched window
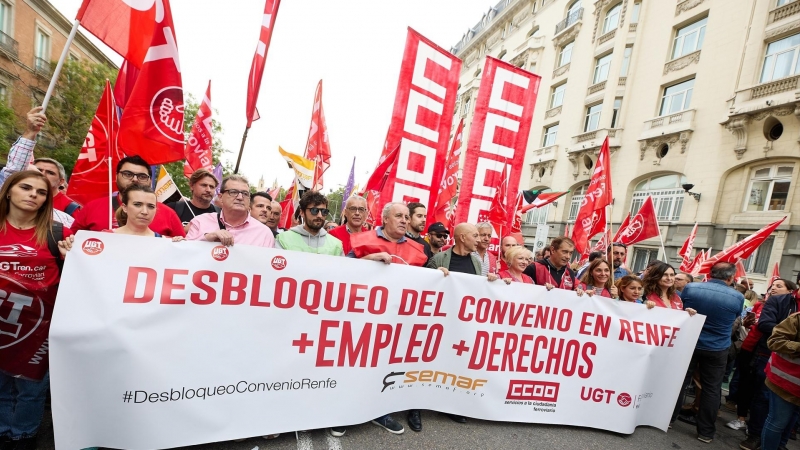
[
  {"x": 667, "y": 196},
  {"x": 574, "y": 7},
  {"x": 575, "y": 204},
  {"x": 769, "y": 188},
  {"x": 612, "y": 18}
]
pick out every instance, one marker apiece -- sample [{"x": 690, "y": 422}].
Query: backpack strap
[
  {"x": 56, "y": 234},
  {"x": 180, "y": 208},
  {"x": 72, "y": 207},
  {"x": 219, "y": 221}
]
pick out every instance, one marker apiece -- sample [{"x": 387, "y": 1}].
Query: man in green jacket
[
  {"x": 311, "y": 237},
  {"x": 458, "y": 258}
]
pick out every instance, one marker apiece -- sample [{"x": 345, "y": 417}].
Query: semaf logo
[
  {"x": 540, "y": 391},
  {"x": 279, "y": 263},
  {"x": 93, "y": 246},
  {"x": 220, "y": 253}
]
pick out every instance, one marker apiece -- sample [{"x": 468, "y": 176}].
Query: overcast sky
[{"x": 354, "y": 46}]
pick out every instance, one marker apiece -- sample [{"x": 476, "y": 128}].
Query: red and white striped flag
[
  {"x": 318, "y": 149},
  {"x": 260, "y": 59}
]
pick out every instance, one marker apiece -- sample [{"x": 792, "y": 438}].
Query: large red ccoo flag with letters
[
  {"x": 421, "y": 121},
  {"x": 498, "y": 138},
  {"x": 93, "y": 173}
]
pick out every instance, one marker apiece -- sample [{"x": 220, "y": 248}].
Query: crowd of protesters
[{"x": 755, "y": 340}]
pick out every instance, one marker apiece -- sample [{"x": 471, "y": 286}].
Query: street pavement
[{"x": 439, "y": 432}]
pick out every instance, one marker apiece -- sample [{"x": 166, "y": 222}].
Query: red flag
[
  {"x": 776, "y": 274},
  {"x": 498, "y": 136},
  {"x": 444, "y": 209},
  {"x": 421, "y": 123},
  {"x": 198, "y": 147},
  {"x": 376, "y": 185},
  {"x": 152, "y": 126},
  {"x": 275, "y": 192},
  {"x": 643, "y": 225},
  {"x": 260, "y": 59},
  {"x": 598, "y": 196},
  {"x": 126, "y": 79},
  {"x": 126, "y": 26},
  {"x": 498, "y": 212},
  {"x": 622, "y": 227},
  {"x": 740, "y": 271},
  {"x": 742, "y": 249},
  {"x": 686, "y": 250},
  {"x": 92, "y": 173},
  {"x": 287, "y": 208},
  {"x": 317, "y": 147},
  {"x": 516, "y": 221},
  {"x": 694, "y": 267}
]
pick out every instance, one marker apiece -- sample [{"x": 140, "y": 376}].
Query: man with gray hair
[
  {"x": 487, "y": 259},
  {"x": 233, "y": 224},
  {"x": 55, "y": 174},
  {"x": 355, "y": 214},
  {"x": 721, "y": 305}
]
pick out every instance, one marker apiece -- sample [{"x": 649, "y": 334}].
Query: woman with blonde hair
[{"x": 516, "y": 259}]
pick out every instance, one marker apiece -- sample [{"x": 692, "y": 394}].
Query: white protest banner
[{"x": 185, "y": 343}]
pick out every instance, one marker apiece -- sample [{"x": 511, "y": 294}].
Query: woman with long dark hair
[
  {"x": 34, "y": 247},
  {"x": 659, "y": 287}
]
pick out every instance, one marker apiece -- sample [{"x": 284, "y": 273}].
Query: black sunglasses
[{"x": 315, "y": 211}]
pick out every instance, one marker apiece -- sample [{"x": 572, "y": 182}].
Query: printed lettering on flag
[
  {"x": 198, "y": 146},
  {"x": 598, "y": 196},
  {"x": 421, "y": 121},
  {"x": 498, "y": 137},
  {"x": 445, "y": 210}
]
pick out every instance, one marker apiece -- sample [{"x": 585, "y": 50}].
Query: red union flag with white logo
[
  {"x": 598, "y": 196},
  {"x": 644, "y": 225},
  {"x": 444, "y": 211},
  {"x": 318, "y": 149},
  {"x": 198, "y": 147},
  {"x": 127, "y": 26},
  {"x": 92, "y": 172},
  {"x": 498, "y": 138},
  {"x": 421, "y": 120},
  {"x": 260, "y": 59}
]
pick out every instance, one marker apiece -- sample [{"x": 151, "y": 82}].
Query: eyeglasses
[
  {"x": 235, "y": 193},
  {"x": 128, "y": 175},
  {"x": 358, "y": 209},
  {"x": 315, "y": 211}
]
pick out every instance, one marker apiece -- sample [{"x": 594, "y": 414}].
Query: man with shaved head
[{"x": 458, "y": 258}]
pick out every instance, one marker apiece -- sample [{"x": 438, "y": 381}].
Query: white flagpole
[
  {"x": 661, "y": 239},
  {"x": 59, "y": 65}
]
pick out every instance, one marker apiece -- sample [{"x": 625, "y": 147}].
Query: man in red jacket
[
  {"x": 97, "y": 216},
  {"x": 355, "y": 213}
]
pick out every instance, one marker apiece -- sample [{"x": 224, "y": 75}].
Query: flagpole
[
  {"x": 111, "y": 148},
  {"x": 661, "y": 239},
  {"x": 241, "y": 150},
  {"x": 609, "y": 210},
  {"x": 59, "y": 65}
]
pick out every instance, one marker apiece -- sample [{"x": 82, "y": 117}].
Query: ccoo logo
[
  {"x": 93, "y": 246},
  {"x": 220, "y": 253},
  {"x": 279, "y": 263},
  {"x": 624, "y": 399}
]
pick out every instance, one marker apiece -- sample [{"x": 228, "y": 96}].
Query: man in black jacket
[{"x": 776, "y": 309}]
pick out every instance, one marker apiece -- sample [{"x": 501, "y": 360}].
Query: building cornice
[
  {"x": 64, "y": 26},
  {"x": 494, "y": 23}
]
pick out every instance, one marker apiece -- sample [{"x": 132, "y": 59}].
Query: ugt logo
[
  {"x": 220, "y": 253},
  {"x": 279, "y": 263},
  {"x": 93, "y": 246}
]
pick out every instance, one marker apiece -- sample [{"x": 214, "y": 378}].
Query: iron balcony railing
[
  {"x": 569, "y": 20},
  {"x": 42, "y": 67},
  {"x": 9, "y": 45}
]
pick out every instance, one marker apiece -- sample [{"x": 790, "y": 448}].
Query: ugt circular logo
[
  {"x": 93, "y": 246},
  {"x": 220, "y": 253},
  {"x": 279, "y": 263},
  {"x": 624, "y": 399},
  {"x": 25, "y": 316},
  {"x": 166, "y": 112}
]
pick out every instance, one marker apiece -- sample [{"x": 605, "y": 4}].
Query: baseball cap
[{"x": 438, "y": 227}]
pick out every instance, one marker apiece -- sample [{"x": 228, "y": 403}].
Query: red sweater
[
  {"x": 341, "y": 233},
  {"x": 95, "y": 214},
  {"x": 61, "y": 201}
]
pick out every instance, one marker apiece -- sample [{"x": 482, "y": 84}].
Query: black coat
[{"x": 776, "y": 309}]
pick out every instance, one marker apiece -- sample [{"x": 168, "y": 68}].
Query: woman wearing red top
[
  {"x": 597, "y": 280},
  {"x": 659, "y": 287},
  {"x": 26, "y": 212},
  {"x": 516, "y": 259}
]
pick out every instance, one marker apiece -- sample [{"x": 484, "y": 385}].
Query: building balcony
[
  {"x": 531, "y": 42},
  {"x": 775, "y": 87},
  {"x": 595, "y": 138},
  {"x": 42, "y": 67},
  {"x": 632, "y": 27},
  {"x": 597, "y": 87},
  {"x": 552, "y": 112},
  {"x": 569, "y": 21},
  {"x": 561, "y": 71},
  {"x": 607, "y": 37},
  {"x": 784, "y": 11},
  {"x": 545, "y": 154},
  {"x": 673, "y": 123},
  {"x": 622, "y": 81},
  {"x": 9, "y": 45}
]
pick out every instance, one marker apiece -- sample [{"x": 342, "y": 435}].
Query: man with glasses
[
  {"x": 311, "y": 236},
  {"x": 618, "y": 253},
  {"x": 355, "y": 213},
  {"x": 96, "y": 215},
  {"x": 234, "y": 224}
]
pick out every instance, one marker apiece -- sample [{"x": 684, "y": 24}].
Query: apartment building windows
[
  {"x": 615, "y": 114},
  {"x": 5, "y": 17},
  {"x": 689, "y": 39},
  {"x": 637, "y": 6},
  {"x": 612, "y": 18},
  {"x": 565, "y": 55},
  {"x": 601, "y": 67},
  {"x": 677, "y": 97},
  {"x": 557, "y": 96},
  {"x": 626, "y": 61},
  {"x": 781, "y": 59},
  {"x": 41, "y": 60},
  {"x": 592, "y": 121},
  {"x": 550, "y": 134},
  {"x": 769, "y": 188}
]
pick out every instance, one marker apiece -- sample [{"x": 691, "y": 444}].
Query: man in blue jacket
[{"x": 721, "y": 304}]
